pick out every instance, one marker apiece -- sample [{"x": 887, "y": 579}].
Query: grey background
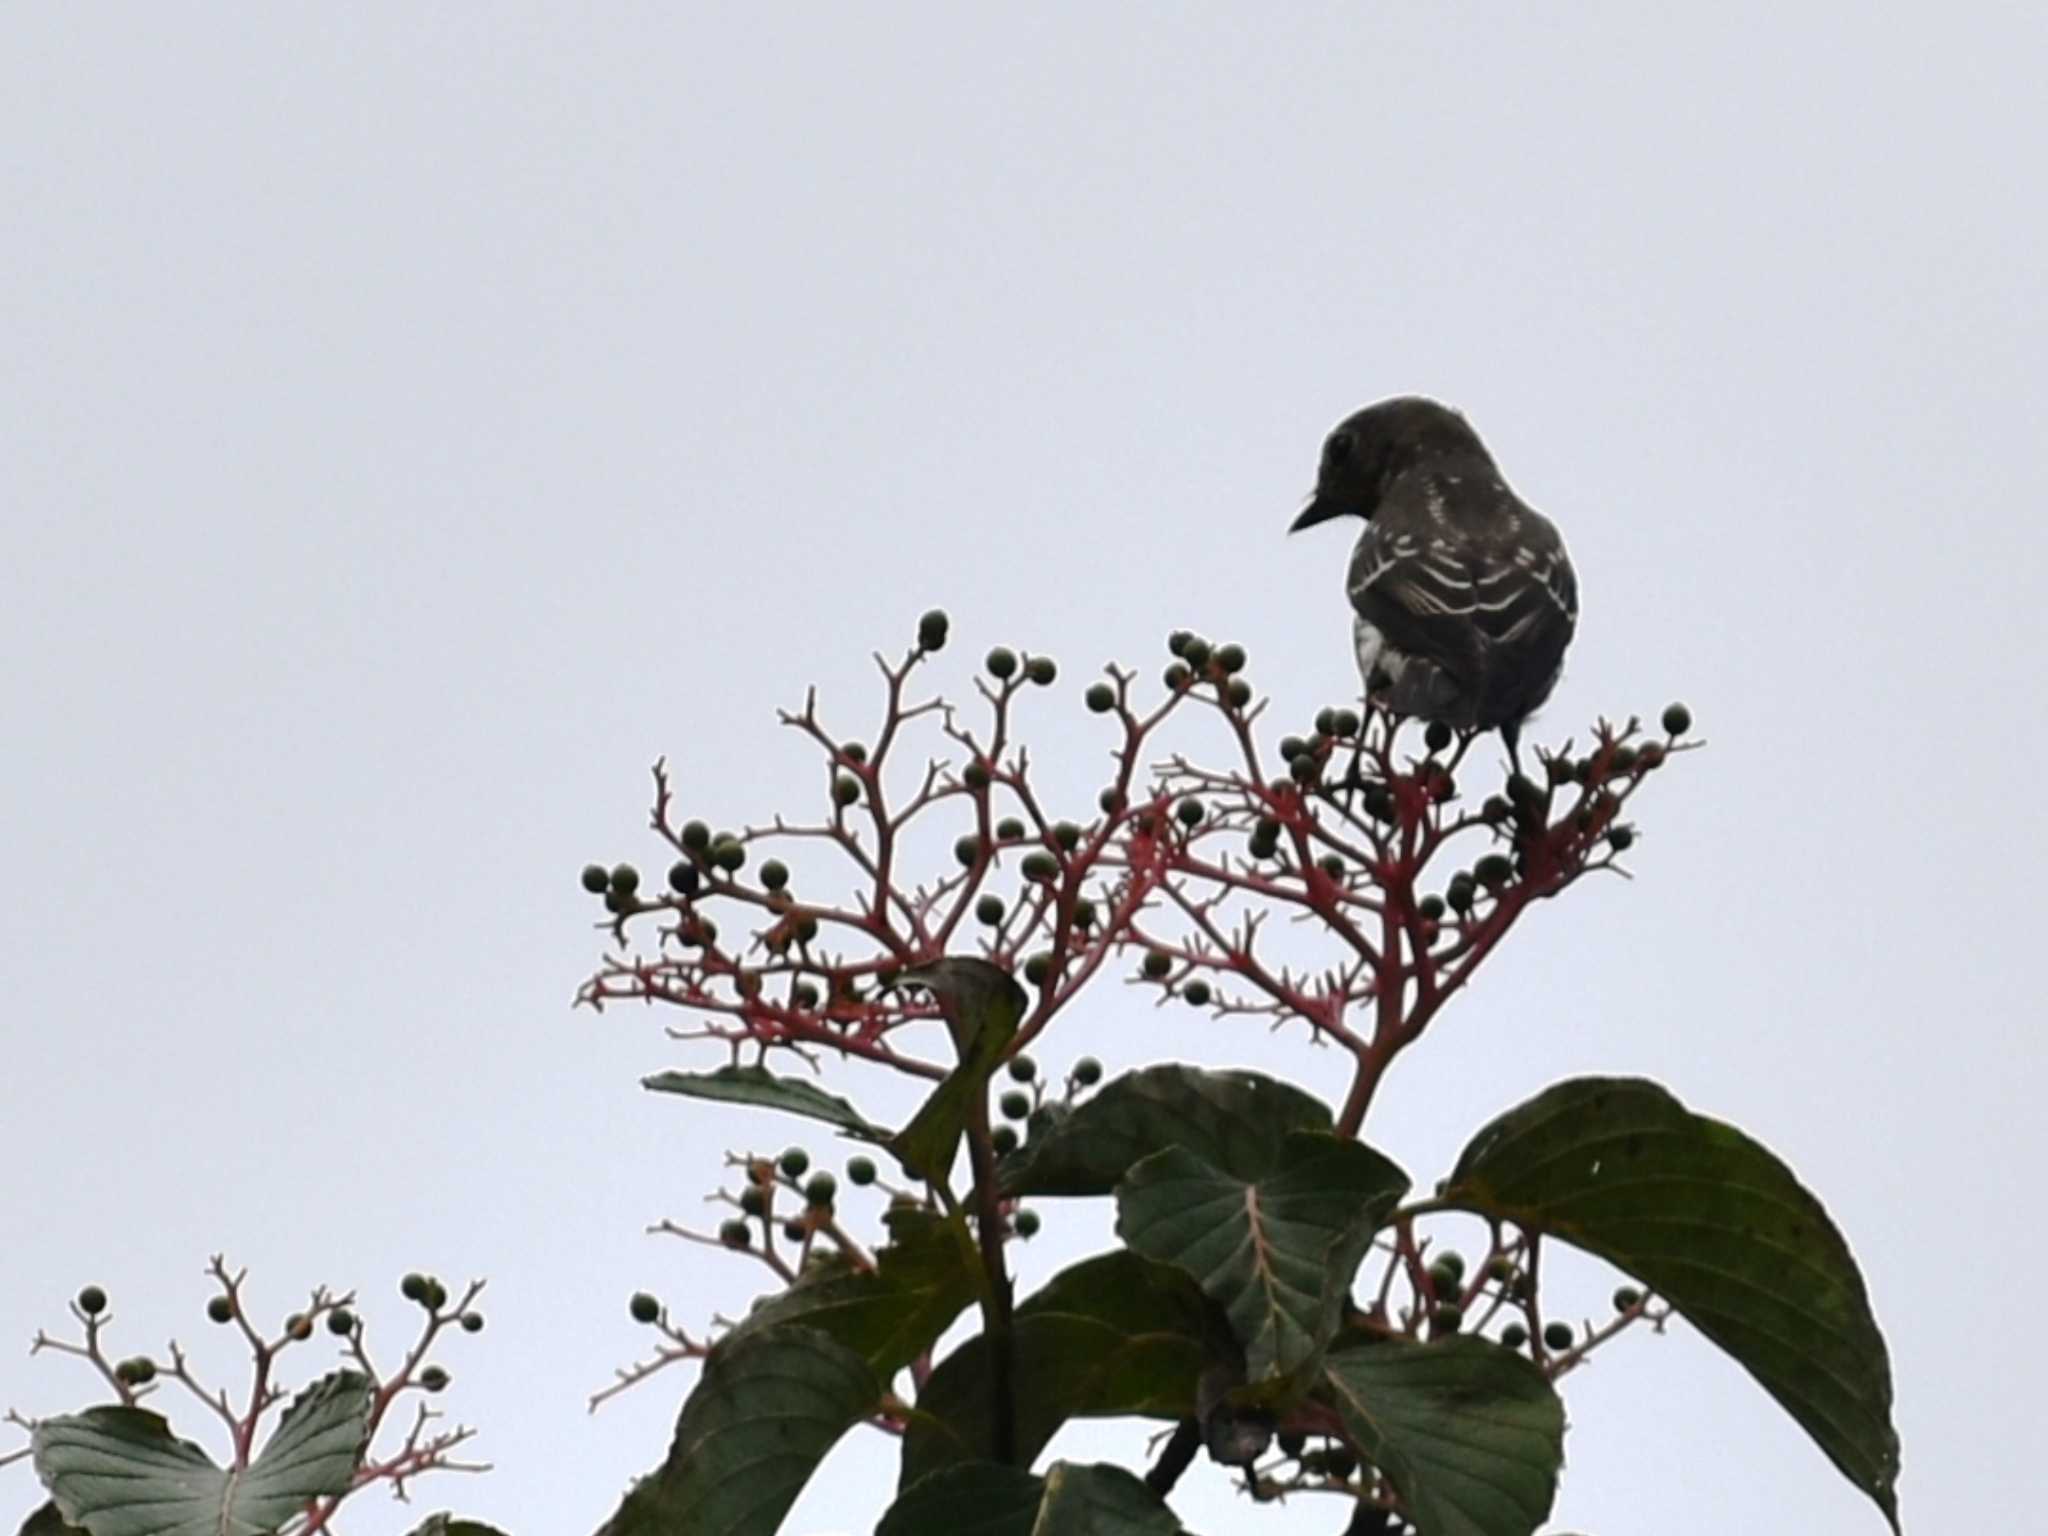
[{"x": 417, "y": 419}]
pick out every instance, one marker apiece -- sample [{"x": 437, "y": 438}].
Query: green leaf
[
  {"x": 1470, "y": 1434},
  {"x": 972, "y": 1498},
  {"x": 983, "y": 1498},
  {"x": 445, "y": 1524},
  {"x": 762, "y": 1089},
  {"x": 983, "y": 1006},
  {"x": 47, "y": 1522},
  {"x": 765, "y": 1412},
  {"x": 1233, "y": 1121},
  {"x": 120, "y": 1472},
  {"x": 1276, "y": 1252},
  {"x": 921, "y": 1282},
  {"x": 1113, "y": 1335},
  {"x": 1720, "y": 1228}
]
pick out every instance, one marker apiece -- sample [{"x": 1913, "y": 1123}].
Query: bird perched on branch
[{"x": 1464, "y": 598}]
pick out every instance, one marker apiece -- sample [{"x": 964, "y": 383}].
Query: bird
[{"x": 1463, "y": 596}]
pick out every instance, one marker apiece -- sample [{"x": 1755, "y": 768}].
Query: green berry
[
  {"x": 1495, "y": 810},
  {"x": 707, "y": 932},
  {"x": 1196, "y": 653},
  {"x": 853, "y": 752},
  {"x": 624, "y": 879},
  {"x": 1026, "y": 1223},
  {"x": 975, "y": 775},
  {"x": 1087, "y": 1072},
  {"x": 1430, "y": 908},
  {"x": 414, "y": 1287},
  {"x": 696, "y": 836},
  {"x": 1345, "y": 723},
  {"x": 1003, "y": 1139},
  {"x": 1230, "y": 657},
  {"x": 735, "y": 1233},
  {"x": 1444, "y": 1280},
  {"x": 1037, "y": 968},
  {"x": 1239, "y": 693},
  {"x": 1177, "y": 642},
  {"x": 1326, "y": 721},
  {"x": 1451, "y": 1260},
  {"x": 472, "y": 1322},
  {"x": 1331, "y": 865},
  {"x": 137, "y": 1372},
  {"x": 1292, "y": 1442},
  {"x": 1100, "y": 698},
  {"x": 754, "y": 1200},
  {"x": 1677, "y": 719},
  {"x": 1189, "y": 812},
  {"x": 1460, "y": 893},
  {"x": 1514, "y": 1336},
  {"x": 1042, "y": 670},
  {"x": 1500, "y": 1268},
  {"x": 619, "y": 904},
  {"x": 1176, "y": 677},
  {"x": 683, "y": 878},
  {"x": 1494, "y": 869},
  {"x": 1197, "y": 993},
  {"x": 931, "y": 630},
  {"x": 596, "y": 879},
  {"x": 860, "y": 1171},
  {"x": 1001, "y": 663},
  {"x": 1445, "y": 1319},
  {"x": 1622, "y": 836},
  {"x": 1067, "y": 835},
  {"x": 1623, "y": 761},
  {"x": 967, "y": 849},
  {"x": 845, "y": 789},
  {"x": 1015, "y": 1104},
  {"x": 775, "y": 873},
  {"x": 729, "y": 854},
  {"x": 1157, "y": 963},
  {"x": 821, "y": 1188},
  {"x": 1650, "y": 756},
  {"x": 221, "y": 1309},
  {"x": 341, "y": 1322},
  {"x": 434, "y": 1379},
  {"x": 645, "y": 1308},
  {"x": 1039, "y": 865},
  {"x": 796, "y": 1231},
  {"x": 1009, "y": 829},
  {"x": 1557, "y": 1336},
  {"x": 1084, "y": 912},
  {"x": 804, "y": 995},
  {"x": 437, "y": 1295},
  {"x": 793, "y": 1162},
  {"x": 1436, "y": 736},
  {"x": 1111, "y": 800},
  {"x": 92, "y": 1301},
  {"x": 1627, "y": 1297},
  {"x": 1560, "y": 770},
  {"x": 1291, "y": 747},
  {"x": 1022, "y": 1068},
  {"x": 989, "y": 910}
]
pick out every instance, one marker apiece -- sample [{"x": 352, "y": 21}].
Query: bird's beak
[{"x": 1320, "y": 509}]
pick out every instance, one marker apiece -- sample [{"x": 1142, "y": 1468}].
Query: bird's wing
[{"x": 1455, "y": 601}]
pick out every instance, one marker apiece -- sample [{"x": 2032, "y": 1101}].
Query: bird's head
[{"x": 1371, "y": 448}]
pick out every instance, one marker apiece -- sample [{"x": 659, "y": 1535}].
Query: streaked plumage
[{"x": 1464, "y": 598}]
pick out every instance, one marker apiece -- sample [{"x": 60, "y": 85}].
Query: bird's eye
[{"x": 1338, "y": 448}]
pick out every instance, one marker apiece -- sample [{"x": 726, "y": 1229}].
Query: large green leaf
[
  {"x": 1276, "y": 1252},
  {"x": 983, "y": 1006},
  {"x": 888, "y": 1315},
  {"x": 1113, "y": 1335},
  {"x": 762, "y": 1089},
  {"x": 1233, "y": 1121},
  {"x": 1471, "y": 1434},
  {"x": 984, "y": 1498},
  {"x": 765, "y": 1412},
  {"x": 1718, "y": 1226},
  {"x": 120, "y": 1472}
]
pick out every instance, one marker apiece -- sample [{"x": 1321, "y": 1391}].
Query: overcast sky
[{"x": 417, "y": 419}]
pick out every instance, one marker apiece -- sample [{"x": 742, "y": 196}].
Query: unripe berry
[
  {"x": 967, "y": 849},
  {"x": 1650, "y": 756},
  {"x": 1623, "y": 837},
  {"x": 1157, "y": 963},
  {"x": 1230, "y": 657},
  {"x": 220, "y": 1309},
  {"x": 341, "y": 1322},
  {"x": 1345, "y": 723},
  {"x": 1100, "y": 698},
  {"x": 1197, "y": 993},
  {"x": 1436, "y": 736},
  {"x": 975, "y": 775},
  {"x": 845, "y": 789},
  {"x": 619, "y": 904},
  {"x": 1445, "y": 1319},
  {"x": 821, "y": 1189},
  {"x": 1331, "y": 865},
  {"x": 472, "y": 1322},
  {"x": 1304, "y": 768},
  {"x": 795, "y": 1230},
  {"x": 1026, "y": 1223},
  {"x": 1514, "y": 1336},
  {"x": 696, "y": 836},
  {"x": 1495, "y": 810},
  {"x": 1176, "y": 677},
  {"x": 1042, "y": 670},
  {"x": 1111, "y": 800},
  {"x": 1326, "y": 721},
  {"x": 804, "y": 996},
  {"x": 931, "y": 630},
  {"x": 1494, "y": 869},
  {"x": 624, "y": 879},
  {"x": 1291, "y": 747},
  {"x": 989, "y": 910},
  {"x": 414, "y": 1287},
  {"x": 754, "y": 1200},
  {"x": 645, "y": 1308},
  {"x": 1087, "y": 1072},
  {"x": 1677, "y": 719},
  {"x": 434, "y": 1379},
  {"x": 1003, "y": 1139},
  {"x": 1624, "y": 759},
  {"x": 1001, "y": 663},
  {"x": 1189, "y": 812},
  {"x": 1022, "y": 1068},
  {"x": 1084, "y": 912},
  {"x": 1444, "y": 1280},
  {"x": 1009, "y": 829},
  {"x": 1239, "y": 693},
  {"x": 1177, "y": 642},
  {"x": 775, "y": 873},
  {"x": 1292, "y": 1442},
  {"x": 1037, "y": 968},
  {"x": 1066, "y": 834},
  {"x": 1015, "y": 1104},
  {"x": 1626, "y": 1297},
  {"x": 729, "y": 854},
  {"x": 853, "y": 752},
  {"x": 860, "y": 1171},
  {"x": 793, "y": 1162},
  {"x": 683, "y": 878},
  {"x": 735, "y": 1233},
  {"x": 92, "y": 1301},
  {"x": 1039, "y": 865},
  {"x": 1460, "y": 892},
  {"x": 1557, "y": 1336},
  {"x": 437, "y": 1295},
  {"x": 1451, "y": 1260},
  {"x": 1430, "y": 908},
  {"x": 137, "y": 1372},
  {"x": 596, "y": 879},
  {"x": 1559, "y": 770},
  {"x": 1500, "y": 1268}
]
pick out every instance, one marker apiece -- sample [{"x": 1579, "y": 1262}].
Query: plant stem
[{"x": 995, "y": 1296}]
